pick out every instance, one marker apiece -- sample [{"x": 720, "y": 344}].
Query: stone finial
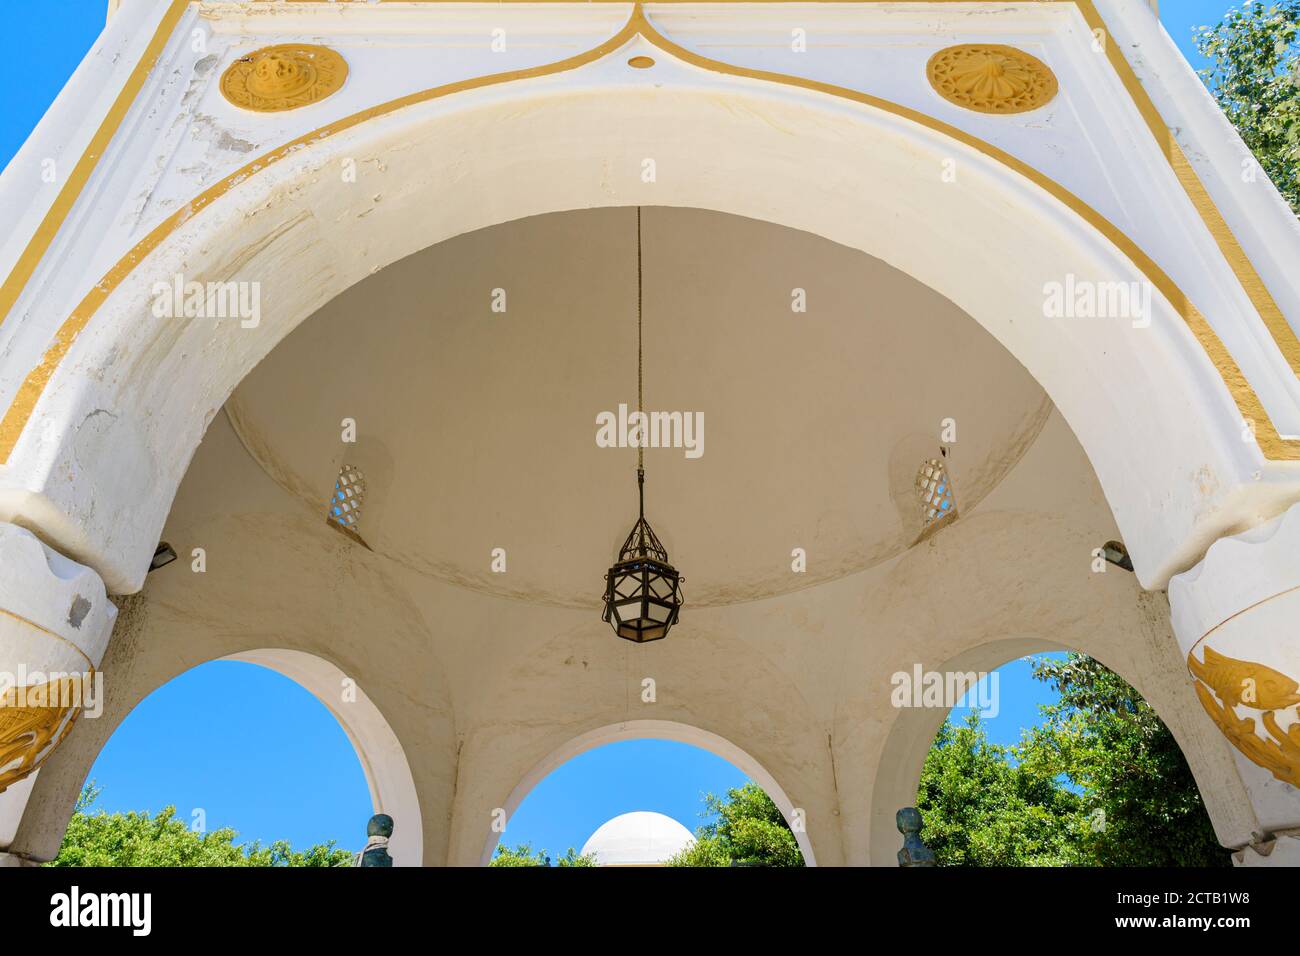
[
  {"x": 914, "y": 852},
  {"x": 378, "y": 831}
]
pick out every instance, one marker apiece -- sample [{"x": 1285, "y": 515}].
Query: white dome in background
[{"x": 640, "y": 838}]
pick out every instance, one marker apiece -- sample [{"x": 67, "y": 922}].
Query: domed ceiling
[{"x": 476, "y": 429}]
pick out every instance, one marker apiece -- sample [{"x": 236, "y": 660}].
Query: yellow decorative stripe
[
  {"x": 1269, "y": 311},
  {"x": 1270, "y": 442},
  {"x": 1283, "y": 335},
  {"x": 24, "y": 403},
  {"x": 1248, "y": 404},
  {"x": 58, "y": 212}
]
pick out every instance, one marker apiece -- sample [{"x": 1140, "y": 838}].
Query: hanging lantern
[{"x": 643, "y": 592}]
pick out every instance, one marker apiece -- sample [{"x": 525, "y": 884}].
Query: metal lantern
[{"x": 643, "y": 592}]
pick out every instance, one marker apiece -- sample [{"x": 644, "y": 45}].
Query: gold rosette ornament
[
  {"x": 285, "y": 77},
  {"x": 991, "y": 78}
]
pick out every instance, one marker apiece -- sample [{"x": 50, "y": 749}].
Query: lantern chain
[
  {"x": 640, "y": 381},
  {"x": 640, "y": 361}
]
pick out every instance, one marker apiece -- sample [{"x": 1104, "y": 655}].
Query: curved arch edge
[
  {"x": 653, "y": 730},
  {"x": 380, "y": 753},
  {"x": 1265, "y": 434}
]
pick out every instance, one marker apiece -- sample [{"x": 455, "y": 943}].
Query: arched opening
[
  {"x": 550, "y": 151},
  {"x": 424, "y": 581},
  {"x": 1007, "y": 783},
  {"x": 387, "y": 773},
  {"x": 276, "y": 744},
  {"x": 428, "y": 167},
  {"x": 631, "y": 802},
  {"x": 745, "y": 765},
  {"x": 261, "y": 487}
]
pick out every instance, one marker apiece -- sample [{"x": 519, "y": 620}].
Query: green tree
[
  {"x": 984, "y": 807},
  {"x": 524, "y": 855},
  {"x": 137, "y": 839},
  {"x": 744, "y": 829},
  {"x": 1255, "y": 76},
  {"x": 1142, "y": 804},
  {"x": 1101, "y": 782}
]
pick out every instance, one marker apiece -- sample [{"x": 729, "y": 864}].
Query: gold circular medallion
[
  {"x": 284, "y": 77},
  {"x": 990, "y": 78}
]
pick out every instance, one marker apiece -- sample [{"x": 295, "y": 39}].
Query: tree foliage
[
  {"x": 743, "y": 829},
  {"x": 1142, "y": 803},
  {"x": 1100, "y": 782},
  {"x": 524, "y": 855},
  {"x": 1255, "y": 76},
  {"x": 138, "y": 839},
  {"x": 983, "y": 808}
]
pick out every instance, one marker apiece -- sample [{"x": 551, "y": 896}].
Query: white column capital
[
  {"x": 1238, "y": 574},
  {"x": 1237, "y": 619},
  {"x": 55, "y": 622}
]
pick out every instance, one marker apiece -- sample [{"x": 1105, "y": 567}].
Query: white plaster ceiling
[{"x": 476, "y": 430}]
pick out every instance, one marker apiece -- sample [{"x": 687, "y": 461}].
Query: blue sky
[{"x": 204, "y": 741}]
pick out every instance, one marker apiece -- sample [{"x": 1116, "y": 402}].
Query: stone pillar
[
  {"x": 1237, "y": 619},
  {"x": 55, "y": 621}
]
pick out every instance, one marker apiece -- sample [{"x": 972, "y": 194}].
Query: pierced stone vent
[
  {"x": 934, "y": 490},
  {"x": 345, "y": 505}
]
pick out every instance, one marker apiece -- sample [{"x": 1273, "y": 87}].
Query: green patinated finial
[
  {"x": 378, "y": 830},
  {"x": 914, "y": 852}
]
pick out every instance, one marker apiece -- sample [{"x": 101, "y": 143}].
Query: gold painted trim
[
  {"x": 53, "y": 634},
  {"x": 1224, "y": 683},
  {"x": 1283, "y": 335},
  {"x": 1270, "y": 442},
  {"x": 24, "y": 403},
  {"x": 1236, "y": 614},
  {"x": 30, "y": 732},
  {"x": 55, "y": 216},
  {"x": 47, "y": 727}
]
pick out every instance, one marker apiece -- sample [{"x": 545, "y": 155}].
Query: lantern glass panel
[{"x": 642, "y": 592}]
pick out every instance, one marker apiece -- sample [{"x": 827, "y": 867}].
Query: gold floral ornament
[
  {"x": 284, "y": 77},
  {"x": 991, "y": 78},
  {"x": 33, "y": 721},
  {"x": 1258, "y": 687}
]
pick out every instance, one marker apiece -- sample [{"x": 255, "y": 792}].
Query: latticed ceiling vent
[
  {"x": 934, "y": 490},
  {"x": 345, "y": 505}
]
